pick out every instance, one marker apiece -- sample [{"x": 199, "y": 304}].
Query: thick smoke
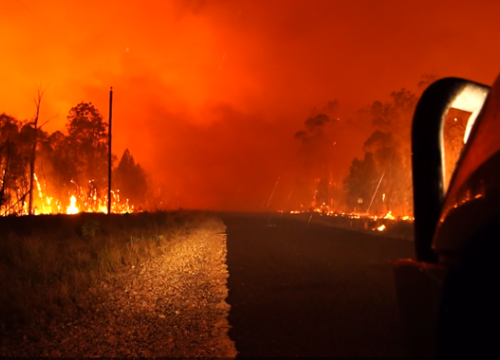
[{"x": 209, "y": 94}]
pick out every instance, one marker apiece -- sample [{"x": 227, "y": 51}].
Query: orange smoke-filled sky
[{"x": 208, "y": 94}]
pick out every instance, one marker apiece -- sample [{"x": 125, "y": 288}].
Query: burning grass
[
  {"x": 386, "y": 225},
  {"x": 50, "y": 262}
]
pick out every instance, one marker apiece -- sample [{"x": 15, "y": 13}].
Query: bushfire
[
  {"x": 355, "y": 215},
  {"x": 80, "y": 202}
]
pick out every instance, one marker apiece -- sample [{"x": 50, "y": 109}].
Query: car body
[{"x": 447, "y": 294}]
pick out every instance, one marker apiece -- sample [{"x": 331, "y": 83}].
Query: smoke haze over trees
[
  {"x": 66, "y": 165},
  {"x": 358, "y": 162},
  {"x": 379, "y": 181},
  {"x": 209, "y": 94}
]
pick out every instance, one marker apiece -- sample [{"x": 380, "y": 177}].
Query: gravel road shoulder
[{"x": 171, "y": 306}]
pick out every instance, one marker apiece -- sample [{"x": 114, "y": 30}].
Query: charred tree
[
  {"x": 38, "y": 101},
  {"x": 5, "y": 173}
]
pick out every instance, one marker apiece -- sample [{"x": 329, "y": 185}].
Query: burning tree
[
  {"x": 9, "y": 156},
  {"x": 390, "y": 148},
  {"x": 56, "y": 163},
  {"x": 361, "y": 183},
  {"x": 317, "y": 147},
  {"x": 378, "y": 183},
  {"x": 16, "y": 151},
  {"x": 70, "y": 170},
  {"x": 87, "y": 140}
]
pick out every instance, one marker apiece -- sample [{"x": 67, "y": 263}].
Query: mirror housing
[{"x": 428, "y": 153}]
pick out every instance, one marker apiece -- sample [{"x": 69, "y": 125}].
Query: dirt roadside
[{"x": 170, "y": 306}]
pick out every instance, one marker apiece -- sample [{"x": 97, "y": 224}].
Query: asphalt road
[{"x": 311, "y": 290}]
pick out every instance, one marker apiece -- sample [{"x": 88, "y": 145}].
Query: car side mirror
[{"x": 428, "y": 152}]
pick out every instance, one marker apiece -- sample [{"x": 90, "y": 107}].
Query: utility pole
[{"x": 109, "y": 148}]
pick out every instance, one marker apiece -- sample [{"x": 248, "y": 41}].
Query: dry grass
[{"x": 49, "y": 262}]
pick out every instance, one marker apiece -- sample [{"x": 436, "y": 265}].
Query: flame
[
  {"x": 103, "y": 209},
  {"x": 87, "y": 202},
  {"x": 72, "y": 209},
  {"x": 381, "y": 227},
  {"x": 389, "y": 216},
  {"x": 354, "y": 215}
]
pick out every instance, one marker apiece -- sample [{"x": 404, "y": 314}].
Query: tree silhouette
[
  {"x": 361, "y": 183},
  {"x": 131, "y": 180},
  {"x": 87, "y": 135},
  {"x": 38, "y": 102},
  {"x": 55, "y": 158},
  {"x": 15, "y": 154},
  {"x": 316, "y": 154},
  {"x": 73, "y": 164}
]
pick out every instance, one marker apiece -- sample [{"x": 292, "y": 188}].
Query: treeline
[
  {"x": 75, "y": 164},
  {"x": 380, "y": 180}
]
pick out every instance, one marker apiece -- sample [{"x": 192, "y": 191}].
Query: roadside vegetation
[{"x": 51, "y": 262}]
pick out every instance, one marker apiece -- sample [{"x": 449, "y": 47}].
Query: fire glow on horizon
[
  {"x": 45, "y": 204},
  {"x": 210, "y": 93}
]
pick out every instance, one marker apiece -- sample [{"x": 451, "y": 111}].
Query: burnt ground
[{"x": 311, "y": 290}]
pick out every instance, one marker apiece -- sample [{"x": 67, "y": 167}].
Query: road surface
[{"x": 299, "y": 289}]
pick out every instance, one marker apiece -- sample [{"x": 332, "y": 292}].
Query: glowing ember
[
  {"x": 103, "y": 209},
  {"x": 381, "y": 227},
  {"x": 389, "y": 216},
  {"x": 72, "y": 209},
  {"x": 354, "y": 215},
  {"x": 87, "y": 202}
]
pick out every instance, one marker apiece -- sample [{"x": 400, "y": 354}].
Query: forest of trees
[
  {"x": 75, "y": 164},
  {"x": 380, "y": 181}
]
